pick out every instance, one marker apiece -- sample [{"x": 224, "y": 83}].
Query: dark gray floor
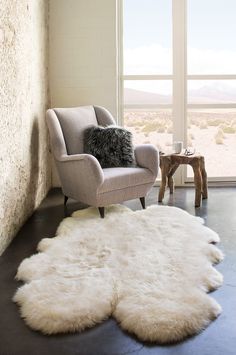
[{"x": 218, "y": 339}]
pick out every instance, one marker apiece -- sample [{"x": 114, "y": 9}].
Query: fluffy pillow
[{"x": 112, "y": 146}]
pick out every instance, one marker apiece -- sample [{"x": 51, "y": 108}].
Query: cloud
[
  {"x": 149, "y": 60},
  {"x": 205, "y": 61},
  {"x": 156, "y": 59}
]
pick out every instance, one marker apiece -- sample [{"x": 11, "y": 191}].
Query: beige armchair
[{"x": 81, "y": 175}]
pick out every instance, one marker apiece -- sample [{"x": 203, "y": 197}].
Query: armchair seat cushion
[{"x": 120, "y": 178}]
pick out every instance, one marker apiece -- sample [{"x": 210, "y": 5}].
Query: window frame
[{"x": 179, "y": 78}]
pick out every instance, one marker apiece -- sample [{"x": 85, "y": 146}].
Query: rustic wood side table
[{"x": 169, "y": 163}]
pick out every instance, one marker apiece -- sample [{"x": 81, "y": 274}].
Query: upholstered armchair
[{"x": 81, "y": 175}]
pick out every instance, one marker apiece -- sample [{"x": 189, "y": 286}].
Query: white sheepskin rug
[{"x": 150, "y": 270}]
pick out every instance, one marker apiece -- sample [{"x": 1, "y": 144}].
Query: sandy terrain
[{"x": 212, "y": 133}]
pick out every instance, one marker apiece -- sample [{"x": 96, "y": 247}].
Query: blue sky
[
  {"x": 211, "y": 23},
  {"x": 145, "y": 24},
  {"x": 148, "y": 39}
]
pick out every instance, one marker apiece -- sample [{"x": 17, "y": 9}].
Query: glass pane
[
  {"x": 212, "y": 132},
  {"x": 211, "y": 91},
  {"x": 147, "y": 41},
  {"x": 151, "y": 92},
  {"x": 211, "y": 37},
  {"x": 149, "y": 126}
]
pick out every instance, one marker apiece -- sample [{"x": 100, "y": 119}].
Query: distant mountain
[
  {"x": 217, "y": 93},
  {"x": 133, "y": 97}
]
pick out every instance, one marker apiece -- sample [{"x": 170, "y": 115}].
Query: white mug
[{"x": 178, "y": 146}]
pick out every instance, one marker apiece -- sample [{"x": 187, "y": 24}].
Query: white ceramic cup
[{"x": 178, "y": 146}]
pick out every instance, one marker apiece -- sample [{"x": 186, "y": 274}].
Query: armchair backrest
[{"x": 67, "y": 125}]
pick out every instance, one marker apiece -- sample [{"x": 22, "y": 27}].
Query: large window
[
  {"x": 147, "y": 84},
  {"x": 179, "y": 78},
  {"x": 211, "y": 94}
]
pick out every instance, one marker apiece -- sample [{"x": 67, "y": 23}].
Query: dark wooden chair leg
[
  {"x": 66, "y": 214},
  {"x": 102, "y": 211},
  {"x": 142, "y": 200},
  {"x": 65, "y": 200}
]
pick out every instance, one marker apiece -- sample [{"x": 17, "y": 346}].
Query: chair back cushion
[{"x": 73, "y": 122}]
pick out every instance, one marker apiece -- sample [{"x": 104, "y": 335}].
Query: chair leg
[
  {"x": 102, "y": 211},
  {"x": 65, "y": 200},
  {"x": 142, "y": 200}
]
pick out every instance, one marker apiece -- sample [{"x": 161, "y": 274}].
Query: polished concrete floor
[{"x": 219, "y": 213}]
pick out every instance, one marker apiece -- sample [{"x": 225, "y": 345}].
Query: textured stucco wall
[{"x": 25, "y": 175}]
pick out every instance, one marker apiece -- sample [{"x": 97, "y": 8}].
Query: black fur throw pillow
[{"x": 111, "y": 145}]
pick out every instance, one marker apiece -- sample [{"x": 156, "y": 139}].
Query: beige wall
[
  {"x": 25, "y": 175},
  {"x": 83, "y": 54}
]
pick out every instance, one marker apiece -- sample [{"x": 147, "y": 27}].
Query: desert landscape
[{"x": 211, "y": 132}]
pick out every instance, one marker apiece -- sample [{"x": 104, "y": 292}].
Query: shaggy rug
[{"x": 150, "y": 269}]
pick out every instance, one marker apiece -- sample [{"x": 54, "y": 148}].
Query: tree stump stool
[{"x": 169, "y": 163}]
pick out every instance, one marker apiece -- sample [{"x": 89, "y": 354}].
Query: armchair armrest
[
  {"x": 147, "y": 156},
  {"x": 77, "y": 157},
  {"x": 82, "y": 169}
]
